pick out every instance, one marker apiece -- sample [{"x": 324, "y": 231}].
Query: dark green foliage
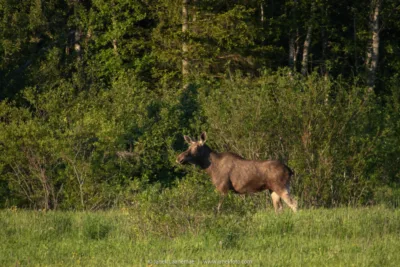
[
  {"x": 98, "y": 148},
  {"x": 388, "y": 195},
  {"x": 327, "y": 131}
]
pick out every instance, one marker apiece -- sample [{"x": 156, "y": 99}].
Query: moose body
[{"x": 229, "y": 171}]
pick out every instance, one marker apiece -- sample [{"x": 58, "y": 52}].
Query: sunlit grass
[{"x": 129, "y": 237}]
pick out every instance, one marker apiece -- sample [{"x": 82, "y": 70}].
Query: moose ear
[
  {"x": 203, "y": 137},
  {"x": 188, "y": 139}
]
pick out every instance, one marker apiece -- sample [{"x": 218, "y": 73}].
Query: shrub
[
  {"x": 325, "y": 130},
  {"x": 97, "y": 148}
]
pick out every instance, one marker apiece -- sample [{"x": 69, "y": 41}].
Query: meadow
[{"x": 348, "y": 236}]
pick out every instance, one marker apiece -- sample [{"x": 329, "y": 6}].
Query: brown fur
[{"x": 229, "y": 171}]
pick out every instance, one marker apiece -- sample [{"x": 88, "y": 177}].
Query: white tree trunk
[
  {"x": 185, "y": 49},
  {"x": 262, "y": 13},
  {"x": 373, "y": 49},
  {"x": 306, "y": 49},
  {"x": 293, "y": 40},
  {"x": 293, "y": 50}
]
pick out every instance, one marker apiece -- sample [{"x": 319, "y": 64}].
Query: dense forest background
[{"x": 96, "y": 95}]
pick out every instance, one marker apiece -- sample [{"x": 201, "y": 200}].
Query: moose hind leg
[
  {"x": 276, "y": 200},
  {"x": 289, "y": 200}
]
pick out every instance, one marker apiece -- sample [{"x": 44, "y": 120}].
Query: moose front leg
[
  {"x": 221, "y": 199},
  {"x": 223, "y": 189}
]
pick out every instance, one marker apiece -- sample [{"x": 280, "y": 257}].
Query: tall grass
[{"x": 131, "y": 237}]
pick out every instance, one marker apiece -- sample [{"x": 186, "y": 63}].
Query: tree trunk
[
  {"x": 324, "y": 39},
  {"x": 355, "y": 42},
  {"x": 185, "y": 61},
  {"x": 373, "y": 48},
  {"x": 293, "y": 37},
  {"x": 115, "y": 46},
  {"x": 293, "y": 50},
  {"x": 262, "y": 13},
  {"x": 306, "y": 49},
  {"x": 323, "y": 52},
  {"x": 307, "y": 42},
  {"x": 77, "y": 45},
  {"x": 77, "y": 39},
  {"x": 114, "y": 24}
]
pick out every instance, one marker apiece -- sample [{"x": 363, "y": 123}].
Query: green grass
[{"x": 132, "y": 237}]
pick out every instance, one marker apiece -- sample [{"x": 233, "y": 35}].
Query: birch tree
[
  {"x": 373, "y": 47},
  {"x": 293, "y": 37},
  {"x": 307, "y": 42},
  {"x": 185, "y": 49}
]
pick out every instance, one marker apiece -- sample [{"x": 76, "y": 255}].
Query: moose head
[{"x": 198, "y": 152}]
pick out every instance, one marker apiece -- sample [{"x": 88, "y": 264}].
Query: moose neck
[
  {"x": 205, "y": 161},
  {"x": 211, "y": 161}
]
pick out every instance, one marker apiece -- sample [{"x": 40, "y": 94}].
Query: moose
[{"x": 230, "y": 171}]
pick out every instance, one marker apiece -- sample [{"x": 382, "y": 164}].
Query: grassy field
[{"x": 127, "y": 237}]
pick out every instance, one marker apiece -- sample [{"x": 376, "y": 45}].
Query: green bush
[
  {"x": 90, "y": 149},
  {"x": 326, "y": 131},
  {"x": 388, "y": 196}
]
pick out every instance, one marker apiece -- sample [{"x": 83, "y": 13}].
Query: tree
[
  {"x": 373, "y": 47},
  {"x": 185, "y": 22}
]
